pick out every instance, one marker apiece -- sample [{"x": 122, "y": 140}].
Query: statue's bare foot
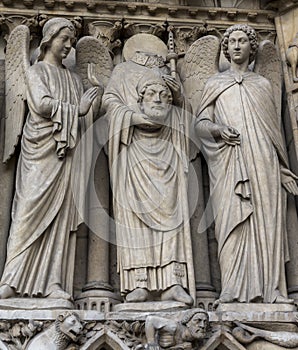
[
  {"x": 283, "y": 300},
  {"x": 59, "y": 294},
  {"x": 177, "y": 293},
  {"x": 223, "y": 299},
  {"x": 137, "y": 295},
  {"x": 6, "y": 292}
]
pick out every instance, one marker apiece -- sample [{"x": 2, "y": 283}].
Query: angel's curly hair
[{"x": 252, "y": 36}]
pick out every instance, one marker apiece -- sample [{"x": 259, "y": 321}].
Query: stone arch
[
  {"x": 222, "y": 340},
  {"x": 105, "y": 340}
]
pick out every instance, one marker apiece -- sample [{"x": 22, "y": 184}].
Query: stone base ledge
[
  {"x": 35, "y": 304},
  {"x": 243, "y": 312},
  {"x": 254, "y": 307},
  {"x": 254, "y": 315},
  {"x": 151, "y": 306}
]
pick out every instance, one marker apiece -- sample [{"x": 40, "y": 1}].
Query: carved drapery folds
[{"x": 113, "y": 23}]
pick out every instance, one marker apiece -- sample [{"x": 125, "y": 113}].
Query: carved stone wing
[
  {"x": 91, "y": 50},
  {"x": 268, "y": 65},
  {"x": 17, "y": 62},
  {"x": 200, "y": 62}
]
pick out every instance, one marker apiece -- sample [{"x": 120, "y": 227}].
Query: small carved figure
[
  {"x": 148, "y": 150},
  {"x": 41, "y": 246},
  {"x": 164, "y": 333},
  {"x": 246, "y": 334},
  {"x": 292, "y": 57},
  {"x": 66, "y": 330},
  {"x": 242, "y": 141}
]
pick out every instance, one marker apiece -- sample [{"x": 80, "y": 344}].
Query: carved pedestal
[{"x": 234, "y": 327}]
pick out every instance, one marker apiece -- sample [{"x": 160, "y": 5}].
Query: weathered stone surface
[
  {"x": 97, "y": 286},
  {"x": 150, "y": 306},
  {"x": 252, "y": 241}
]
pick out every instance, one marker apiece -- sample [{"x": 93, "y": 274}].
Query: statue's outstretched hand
[
  {"x": 289, "y": 181},
  {"x": 93, "y": 76},
  {"x": 87, "y": 99}
]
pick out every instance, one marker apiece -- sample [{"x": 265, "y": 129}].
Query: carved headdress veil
[{"x": 50, "y": 30}]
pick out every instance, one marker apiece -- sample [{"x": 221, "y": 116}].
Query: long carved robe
[
  {"x": 245, "y": 187},
  {"x": 149, "y": 170},
  {"x": 40, "y": 251}
]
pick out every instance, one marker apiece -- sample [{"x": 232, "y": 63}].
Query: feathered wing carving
[
  {"x": 200, "y": 63},
  {"x": 17, "y": 62},
  {"x": 90, "y": 50},
  {"x": 268, "y": 65}
]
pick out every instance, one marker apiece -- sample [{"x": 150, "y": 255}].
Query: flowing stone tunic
[
  {"x": 149, "y": 169},
  {"x": 40, "y": 251},
  {"x": 245, "y": 187}
]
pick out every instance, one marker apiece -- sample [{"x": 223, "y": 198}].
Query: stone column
[
  {"x": 287, "y": 28},
  {"x": 205, "y": 291},
  {"x": 98, "y": 293}
]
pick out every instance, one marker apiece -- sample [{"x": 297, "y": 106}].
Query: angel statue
[
  {"x": 148, "y": 148},
  {"x": 41, "y": 245},
  {"x": 239, "y": 126}
]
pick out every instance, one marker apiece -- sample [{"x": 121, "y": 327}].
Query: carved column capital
[
  {"x": 280, "y": 5},
  {"x": 184, "y": 36},
  {"x": 131, "y": 28},
  {"x": 9, "y": 22},
  {"x": 108, "y": 32}
]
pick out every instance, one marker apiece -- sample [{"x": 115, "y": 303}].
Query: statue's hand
[
  {"x": 288, "y": 180},
  {"x": 173, "y": 84},
  {"x": 93, "y": 76},
  {"x": 175, "y": 87},
  {"x": 152, "y": 346},
  {"x": 230, "y": 135},
  {"x": 140, "y": 119},
  {"x": 87, "y": 99}
]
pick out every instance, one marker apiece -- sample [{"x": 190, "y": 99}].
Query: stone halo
[{"x": 144, "y": 42}]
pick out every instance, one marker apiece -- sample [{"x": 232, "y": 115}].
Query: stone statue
[
  {"x": 242, "y": 141},
  {"x": 246, "y": 334},
  {"x": 41, "y": 246},
  {"x": 148, "y": 159},
  {"x": 292, "y": 57},
  {"x": 164, "y": 333},
  {"x": 65, "y": 330}
]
